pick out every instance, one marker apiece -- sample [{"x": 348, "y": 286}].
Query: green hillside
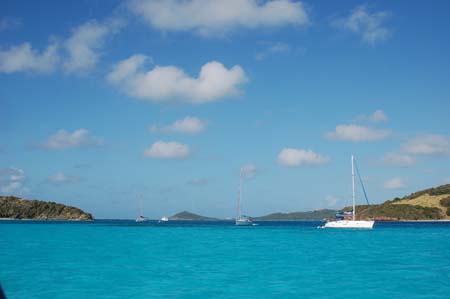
[
  {"x": 428, "y": 204},
  {"x": 17, "y": 208},
  {"x": 311, "y": 215}
]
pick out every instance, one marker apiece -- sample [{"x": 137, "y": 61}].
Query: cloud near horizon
[
  {"x": 12, "y": 181},
  {"x": 213, "y": 18},
  {"x": 357, "y": 133},
  {"x": 61, "y": 178},
  {"x": 187, "y": 125},
  {"x": 166, "y": 83},
  {"x": 77, "y": 139},
  {"x": 399, "y": 159},
  {"x": 292, "y": 157},
  {"x": 395, "y": 183},
  {"x": 428, "y": 145},
  {"x": 167, "y": 150}
]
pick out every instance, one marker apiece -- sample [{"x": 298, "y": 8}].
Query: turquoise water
[{"x": 122, "y": 259}]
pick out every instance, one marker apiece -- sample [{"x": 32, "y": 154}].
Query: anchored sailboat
[
  {"x": 341, "y": 221},
  {"x": 241, "y": 220},
  {"x": 141, "y": 217}
]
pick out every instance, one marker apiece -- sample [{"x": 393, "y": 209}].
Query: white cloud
[
  {"x": 428, "y": 145},
  {"x": 84, "y": 45},
  {"x": 77, "y": 54},
  {"x": 395, "y": 183},
  {"x": 370, "y": 25},
  {"x": 164, "y": 83},
  {"x": 25, "y": 58},
  {"x": 358, "y": 133},
  {"x": 187, "y": 125},
  {"x": 399, "y": 159},
  {"x": 167, "y": 150},
  {"x": 273, "y": 49},
  {"x": 292, "y": 157},
  {"x": 12, "y": 181},
  {"x": 60, "y": 178},
  {"x": 78, "y": 138},
  {"x": 377, "y": 116},
  {"x": 249, "y": 170},
  {"x": 217, "y": 17}
]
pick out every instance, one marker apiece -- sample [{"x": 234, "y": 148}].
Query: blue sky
[{"x": 106, "y": 100}]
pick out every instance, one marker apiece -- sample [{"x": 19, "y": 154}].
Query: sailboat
[
  {"x": 141, "y": 217},
  {"x": 341, "y": 221},
  {"x": 241, "y": 220}
]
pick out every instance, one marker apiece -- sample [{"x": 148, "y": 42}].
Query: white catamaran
[
  {"x": 353, "y": 223},
  {"x": 241, "y": 220}
]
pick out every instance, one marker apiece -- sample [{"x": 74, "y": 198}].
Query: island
[
  {"x": 16, "y": 208},
  {"x": 430, "y": 204},
  {"x": 189, "y": 216},
  {"x": 309, "y": 215}
]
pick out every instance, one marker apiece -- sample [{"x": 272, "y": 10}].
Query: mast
[
  {"x": 238, "y": 209},
  {"x": 353, "y": 187}
]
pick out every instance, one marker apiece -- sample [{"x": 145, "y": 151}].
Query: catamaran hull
[
  {"x": 349, "y": 224},
  {"x": 244, "y": 223}
]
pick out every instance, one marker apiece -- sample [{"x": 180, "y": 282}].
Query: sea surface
[{"x": 124, "y": 259}]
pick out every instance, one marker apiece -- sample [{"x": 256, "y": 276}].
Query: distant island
[
  {"x": 12, "y": 207},
  {"x": 310, "y": 215},
  {"x": 428, "y": 204},
  {"x": 189, "y": 216}
]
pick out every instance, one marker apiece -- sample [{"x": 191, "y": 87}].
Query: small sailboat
[
  {"x": 347, "y": 219},
  {"x": 141, "y": 217},
  {"x": 164, "y": 219},
  {"x": 241, "y": 220}
]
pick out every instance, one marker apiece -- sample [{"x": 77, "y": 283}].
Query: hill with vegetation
[
  {"x": 428, "y": 204},
  {"x": 12, "y": 207},
  {"x": 311, "y": 215},
  {"x": 189, "y": 216}
]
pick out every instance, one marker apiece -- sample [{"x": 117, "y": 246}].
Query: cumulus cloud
[
  {"x": 78, "y": 53},
  {"x": 164, "y": 83},
  {"x": 292, "y": 157},
  {"x": 395, "y": 183},
  {"x": 370, "y": 25},
  {"x": 12, "y": 181},
  {"x": 77, "y": 139},
  {"x": 167, "y": 150},
  {"x": 399, "y": 159},
  {"x": 216, "y": 17},
  {"x": 249, "y": 170},
  {"x": 84, "y": 45},
  {"x": 377, "y": 116},
  {"x": 357, "y": 133},
  {"x": 60, "y": 178},
  {"x": 187, "y": 125},
  {"x": 25, "y": 58},
  {"x": 428, "y": 145}
]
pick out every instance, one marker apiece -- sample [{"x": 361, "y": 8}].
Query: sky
[{"x": 106, "y": 102}]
